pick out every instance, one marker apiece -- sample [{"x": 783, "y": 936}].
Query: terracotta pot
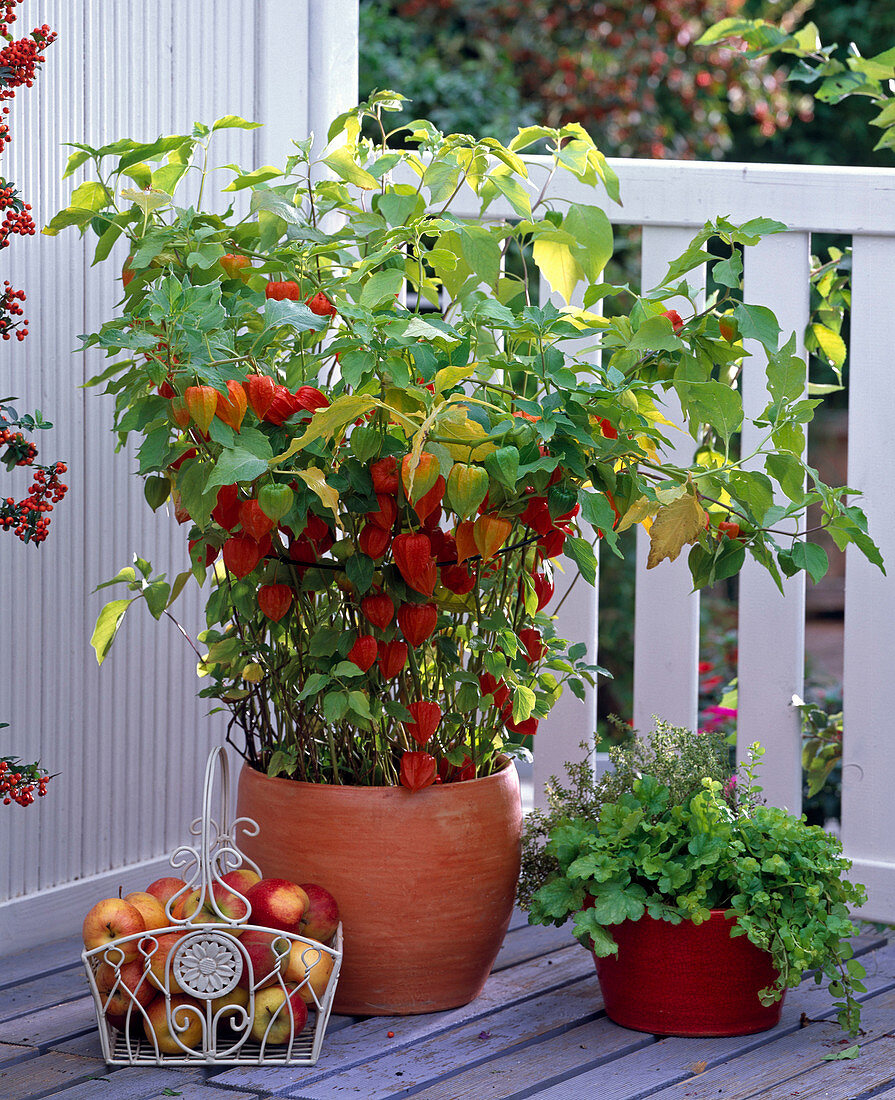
[
  {"x": 686, "y": 979},
  {"x": 425, "y": 880}
]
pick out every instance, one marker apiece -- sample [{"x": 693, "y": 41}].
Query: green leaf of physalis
[
  {"x": 786, "y": 373},
  {"x": 523, "y": 702},
  {"x": 314, "y": 684},
  {"x": 236, "y": 465},
  {"x": 382, "y": 286},
  {"x": 250, "y": 179},
  {"x": 107, "y": 624},
  {"x": 481, "y": 251},
  {"x": 156, "y": 595},
  {"x": 296, "y": 315},
  {"x": 359, "y": 570},
  {"x": 655, "y": 334},
  {"x": 712, "y": 403},
  {"x": 788, "y": 472},
  {"x": 127, "y": 575},
  {"x": 729, "y": 272},
  {"x": 582, "y": 554},
  {"x": 591, "y": 228},
  {"x": 812, "y": 558},
  {"x": 757, "y": 323},
  {"x": 503, "y": 466},
  {"x": 346, "y": 167},
  {"x": 234, "y": 122}
]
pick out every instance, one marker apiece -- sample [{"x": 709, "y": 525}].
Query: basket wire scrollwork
[{"x": 194, "y": 991}]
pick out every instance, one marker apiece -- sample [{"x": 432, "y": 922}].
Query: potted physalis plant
[
  {"x": 701, "y": 905},
  {"x": 378, "y": 441}
]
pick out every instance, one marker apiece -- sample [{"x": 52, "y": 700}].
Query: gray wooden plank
[
  {"x": 518, "y": 1072},
  {"x": 676, "y": 1060},
  {"x": 88, "y": 1046},
  {"x": 46, "y": 959},
  {"x": 50, "y": 989},
  {"x": 135, "y": 1083},
  {"x": 204, "y": 1092},
  {"x": 369, "y": 1039},
  {"x": 519, "y": 919},
  {"x": 469, "y": 1044},
  {"x": 46, "y": 1075},
  {"x": 795, "y": 1063},
  {"x": 48, "y": 1026},
  {"x": 15, "y": 1052},
  {"x": 530, "y": 941}
]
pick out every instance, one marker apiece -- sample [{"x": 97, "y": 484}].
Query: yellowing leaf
[
  {"x": 558, "y": 266},
  {"x": 316, "y": 482},
  {"x": 831, "y": 343},
  {"x": 326, "y": 423},
  {"x": 147, "y": 200},
  {"x": 448, "y": 377},
  {"x": 675, "y": 526},
  {"x": 253, "y": 673},
  {"x": 583, "y": 318},
  {"x": 642, "y": 509},
  {"x": 467, "y": 439},
  {"x": 646, "y": 406}
]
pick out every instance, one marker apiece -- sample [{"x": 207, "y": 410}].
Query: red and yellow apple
[
  {"x": 121, "y": 987},
  {"x": 216, "y": 908},
  {"x": 268, "y": 954},
  {"x": 109, "y": 922},
  {"x": 321, "y": 918},
  {"x": 316, "y": 963},
  {"x": 152, "y": 910},
  {"x": 228, "y": 1005},
  {"x": 165, "y": 944},
  {"x": 163, "y": 889},
  {"x": 277, "y": 903},
  {"x": 185, "y": 1021},
  {"x": 281, "y": 1011},
  {"x": 241, "y": 880}
]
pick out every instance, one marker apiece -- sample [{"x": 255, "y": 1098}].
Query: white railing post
[
  {"x": 772, "y": 627},
  {"x": 868, "y": 772},
  {"x": 666, "y": 610}
]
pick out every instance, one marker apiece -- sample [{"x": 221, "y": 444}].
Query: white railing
[
  {"x": 671, "y": 200},
  {"x": 129, "y": 740}
]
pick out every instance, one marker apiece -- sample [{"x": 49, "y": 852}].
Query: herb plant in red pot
[
  {"x": 377, "y": 445},
  {"x": 700, "y": 904}
]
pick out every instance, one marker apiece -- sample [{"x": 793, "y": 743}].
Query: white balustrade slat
[
  {"x": 572, "y": 721},
  {"x": 666, "y": 610},
  {"x": 128, "y": 740},
  {"x": 772, "y": 627},
  {"x": 868, "y": 773}
]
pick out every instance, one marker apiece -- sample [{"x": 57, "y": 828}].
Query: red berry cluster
[
  {"x": 28, "y": 518},
  {"x": 19, "y": 782},
  {"x": 10, "y": 309},
  {"x": 16, "y": 214}
]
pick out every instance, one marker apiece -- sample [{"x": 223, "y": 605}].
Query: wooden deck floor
[{"x": 538, "y": 1030}]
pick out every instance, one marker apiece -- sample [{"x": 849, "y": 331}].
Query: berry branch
[{"x": 28, "y": 518}]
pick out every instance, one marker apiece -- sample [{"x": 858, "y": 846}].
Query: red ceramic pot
[
  {"x": 425, "y": 880},
  {"x": 686, "y": 979}
]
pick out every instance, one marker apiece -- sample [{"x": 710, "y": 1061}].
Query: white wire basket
[{"x": 193, "y": 992}]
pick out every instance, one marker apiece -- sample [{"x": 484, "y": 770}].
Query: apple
[
  {"x": 166, "y": 888},
  {"x": 277, "y": 903},
  {"x": 165, "y": 944},
  {"x": 269, "y": 956},
  {"x": 227, "y": 1007},
  {"x": 226, "y": 905},
  {"x": 185, "y": 1021},
  {"x": 280, "y": 1010},
  {"x": 123, "y": 986},
  {"x": 241, "y": 880},
  {"x": 110, "y": 921},
  {"x": 321, "y": 918},
  {"x": 316, "y": 963},
  {"x": 153, "y": 911}
]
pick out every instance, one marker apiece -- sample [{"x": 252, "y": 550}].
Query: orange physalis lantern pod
[
  {"x": 418, "y": 770},
  {"x": 426, "y": 716}
]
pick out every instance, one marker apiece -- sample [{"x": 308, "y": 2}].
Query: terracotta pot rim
[{"x": 466, "y": 784}]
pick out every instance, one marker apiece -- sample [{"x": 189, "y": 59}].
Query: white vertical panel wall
[
  {"x": 128, "y": 740},
  {"x": 868, "y": 772}
]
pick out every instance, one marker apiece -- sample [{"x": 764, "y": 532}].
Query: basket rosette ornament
[{"x": 379, "y": 444}]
